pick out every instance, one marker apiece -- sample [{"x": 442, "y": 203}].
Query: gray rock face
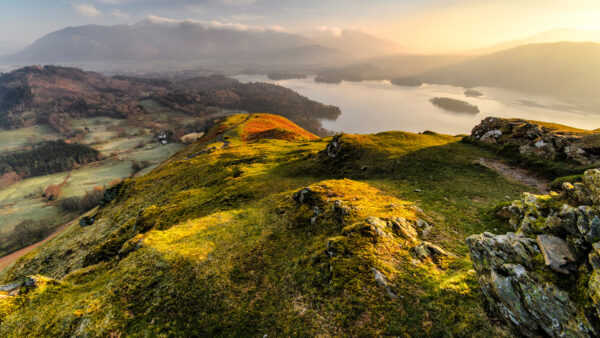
[
  {"x": 9, "y": 287},
  {"x": 382, "y": 282},
  {"x": 334, "y": 148},
  {"x": 556, "y": 253},
  {"x": 538, "y": 140},
  {"x": 545, "y": 277},
  {"x": 506, "y": 267},
  {"x": 304, "y": 196}
]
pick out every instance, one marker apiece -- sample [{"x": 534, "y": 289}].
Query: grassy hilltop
[{"x": 263, "y": 228}]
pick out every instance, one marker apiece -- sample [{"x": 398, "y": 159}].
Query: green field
[
  {"x": 19, "y": 138},
  {"x": 23, "y": 201}
]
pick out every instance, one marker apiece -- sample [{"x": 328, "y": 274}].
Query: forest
[
  {"x": 47, "y": 158},
  {"x": 55, "y": 95},
  {"x": 219, "y": 91}
]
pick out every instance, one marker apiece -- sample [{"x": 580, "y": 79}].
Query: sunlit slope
[{"x": 283, "y": 234}]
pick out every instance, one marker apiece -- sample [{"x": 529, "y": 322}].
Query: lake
[{"x": 375, "y": 106}]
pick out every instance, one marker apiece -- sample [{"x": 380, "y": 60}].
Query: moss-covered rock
[
  {"x": 544, "y": 278},
  {"x": 544, "y": 140}
]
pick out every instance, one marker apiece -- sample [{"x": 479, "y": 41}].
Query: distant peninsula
[
  {"x": 453, "y": 105},
  {"x": 407, "y": 82}
]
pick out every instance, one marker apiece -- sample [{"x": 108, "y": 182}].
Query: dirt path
[
  {"x": 516, "y": 174},
  {"x": 6, "y": 261}
]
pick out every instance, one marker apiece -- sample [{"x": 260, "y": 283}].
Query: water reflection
[{"x": 375, "y": 106}]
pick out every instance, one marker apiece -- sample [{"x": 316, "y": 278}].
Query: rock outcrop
[
  {"x": 548, "y": 141},
  {"x": 544, "y": 278}
]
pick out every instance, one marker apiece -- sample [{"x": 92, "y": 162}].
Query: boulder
[
  {"x": 87, "y": 221},
  {"x": 506, "y": 268},
  {"x": 591, "y": 180},
  {"x": 403, "y": 228},
  {"x": 9, "y": 287},
  {"x": 545, "y": 277},
  {"x": 538, "y": 140},
  {"x": 383, "y": 283},
  {"x": 334, "y": 148},
  {"x": 427, "y": 250},
  {"x": 304, "y": 196},
  {"x": 490, "y": 136}
]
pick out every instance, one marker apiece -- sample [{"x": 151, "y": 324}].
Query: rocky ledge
[
  {"x": 549, "y": 141},
  {"x": 544, "y": 279}
]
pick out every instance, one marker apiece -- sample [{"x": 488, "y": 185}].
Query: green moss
[
  {"x": 214, "y": 244},
  {"x": 558, "y": 183}
]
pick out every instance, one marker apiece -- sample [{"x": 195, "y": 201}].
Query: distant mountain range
[
  {"x": 195, "y": 43},
  {"x": 150, "y": 40},
  {"x": 566, "y": 69},
  {"x": 549, "y": 36},
  {"x": 356, "y": 42}
]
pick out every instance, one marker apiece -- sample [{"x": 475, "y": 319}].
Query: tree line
[{"x": 47, "y": 158}]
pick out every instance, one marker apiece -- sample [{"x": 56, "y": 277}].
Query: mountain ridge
[{"x": 150, "y": 41}]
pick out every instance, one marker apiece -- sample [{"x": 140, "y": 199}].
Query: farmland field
[
  {"x": 15, "y": 139},
  {"x": 23, "y": 200}
]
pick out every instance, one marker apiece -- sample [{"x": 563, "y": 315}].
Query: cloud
[
  {"x": 161, "y": 20},
  {"x": 213, "y": 24},
  {"x": 120, "y": 15},
  {"x": 335, "y": 31},
  {"x": 86, "y": 10},
  {"x": 245, "y": 17}
]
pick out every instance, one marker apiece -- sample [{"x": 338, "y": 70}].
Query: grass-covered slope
[{"x": 245, "y": 236}]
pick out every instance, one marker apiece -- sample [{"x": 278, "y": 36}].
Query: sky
[{"x": 422, "y": 25}]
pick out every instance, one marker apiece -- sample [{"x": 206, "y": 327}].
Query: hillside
[
  {"x": 549, "y": 36},
  {"x": 55, "y": 95},
  {"x": 564, "y": 69},
  {"x": 262, "y": 228},
  {"x": 76, "y": 133}
]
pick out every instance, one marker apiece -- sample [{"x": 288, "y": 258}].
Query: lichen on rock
[
  {"x": 537, "y": 139},
  {"x": 544, "y": 277}
]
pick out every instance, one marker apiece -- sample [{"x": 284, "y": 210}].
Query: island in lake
[
  {"x": 473, "y": 93},
  {"x": 453, "y": 105}
]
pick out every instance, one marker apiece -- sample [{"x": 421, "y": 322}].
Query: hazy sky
[{"x": 425, "y": 25}]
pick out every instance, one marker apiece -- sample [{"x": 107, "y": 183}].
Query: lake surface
[{"x": 375, "y": 106}]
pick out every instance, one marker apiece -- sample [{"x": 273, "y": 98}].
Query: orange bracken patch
[{"x": 263, "y": 126}]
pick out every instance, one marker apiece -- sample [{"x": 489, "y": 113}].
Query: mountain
[
  {"x": 356, "y": 42},
  {"x": 564, "y": 69},
  {"x": 169, "y": 42},
  {"x": 553, "y": 35}
]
